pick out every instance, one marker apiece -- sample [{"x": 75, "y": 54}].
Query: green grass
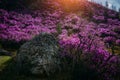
[{"x": 3, "y": 61}]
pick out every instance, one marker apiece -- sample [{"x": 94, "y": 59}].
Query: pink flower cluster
[{"x": 88, "y": 35}]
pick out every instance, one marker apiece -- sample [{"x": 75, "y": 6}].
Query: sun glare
[{"x": 71, "y": 5}]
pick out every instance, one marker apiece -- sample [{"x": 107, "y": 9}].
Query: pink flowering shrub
[
  {"x": 83, "y": 38},
  {"x": 22, "y": 27}
]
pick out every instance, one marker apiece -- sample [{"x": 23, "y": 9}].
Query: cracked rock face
[{"x": 39, "y": 55}]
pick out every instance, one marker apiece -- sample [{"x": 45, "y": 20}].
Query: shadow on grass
[{"x": 10, "y": 72}]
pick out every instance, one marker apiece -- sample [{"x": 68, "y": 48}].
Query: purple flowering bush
[
  {"x": 18, "y": 27},
  {"x": 84, "y": 37}
]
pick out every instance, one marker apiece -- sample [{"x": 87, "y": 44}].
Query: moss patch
[{"x": 3, "y": 61}]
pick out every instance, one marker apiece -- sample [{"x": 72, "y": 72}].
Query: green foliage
[
  {"x": 58, "y": 28},
  {"x": 3, "y": 61}
]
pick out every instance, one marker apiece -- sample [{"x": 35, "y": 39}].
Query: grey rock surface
[
  {"x": 4, "y": 53},
  {"x": 39, "y": 55}
]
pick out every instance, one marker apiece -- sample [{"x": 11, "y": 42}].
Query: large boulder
[{"x": 39, "y": 56}]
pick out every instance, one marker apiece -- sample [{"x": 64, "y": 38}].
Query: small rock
[{"x": 4, "y": 53}]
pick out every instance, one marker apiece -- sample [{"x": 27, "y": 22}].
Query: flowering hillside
[{"x": 86, "y": 32}]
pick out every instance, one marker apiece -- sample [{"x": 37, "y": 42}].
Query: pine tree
[{"x": 106, "y": 4}]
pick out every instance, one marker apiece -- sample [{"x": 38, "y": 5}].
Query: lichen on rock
[{"x": 39, "y": 55}]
